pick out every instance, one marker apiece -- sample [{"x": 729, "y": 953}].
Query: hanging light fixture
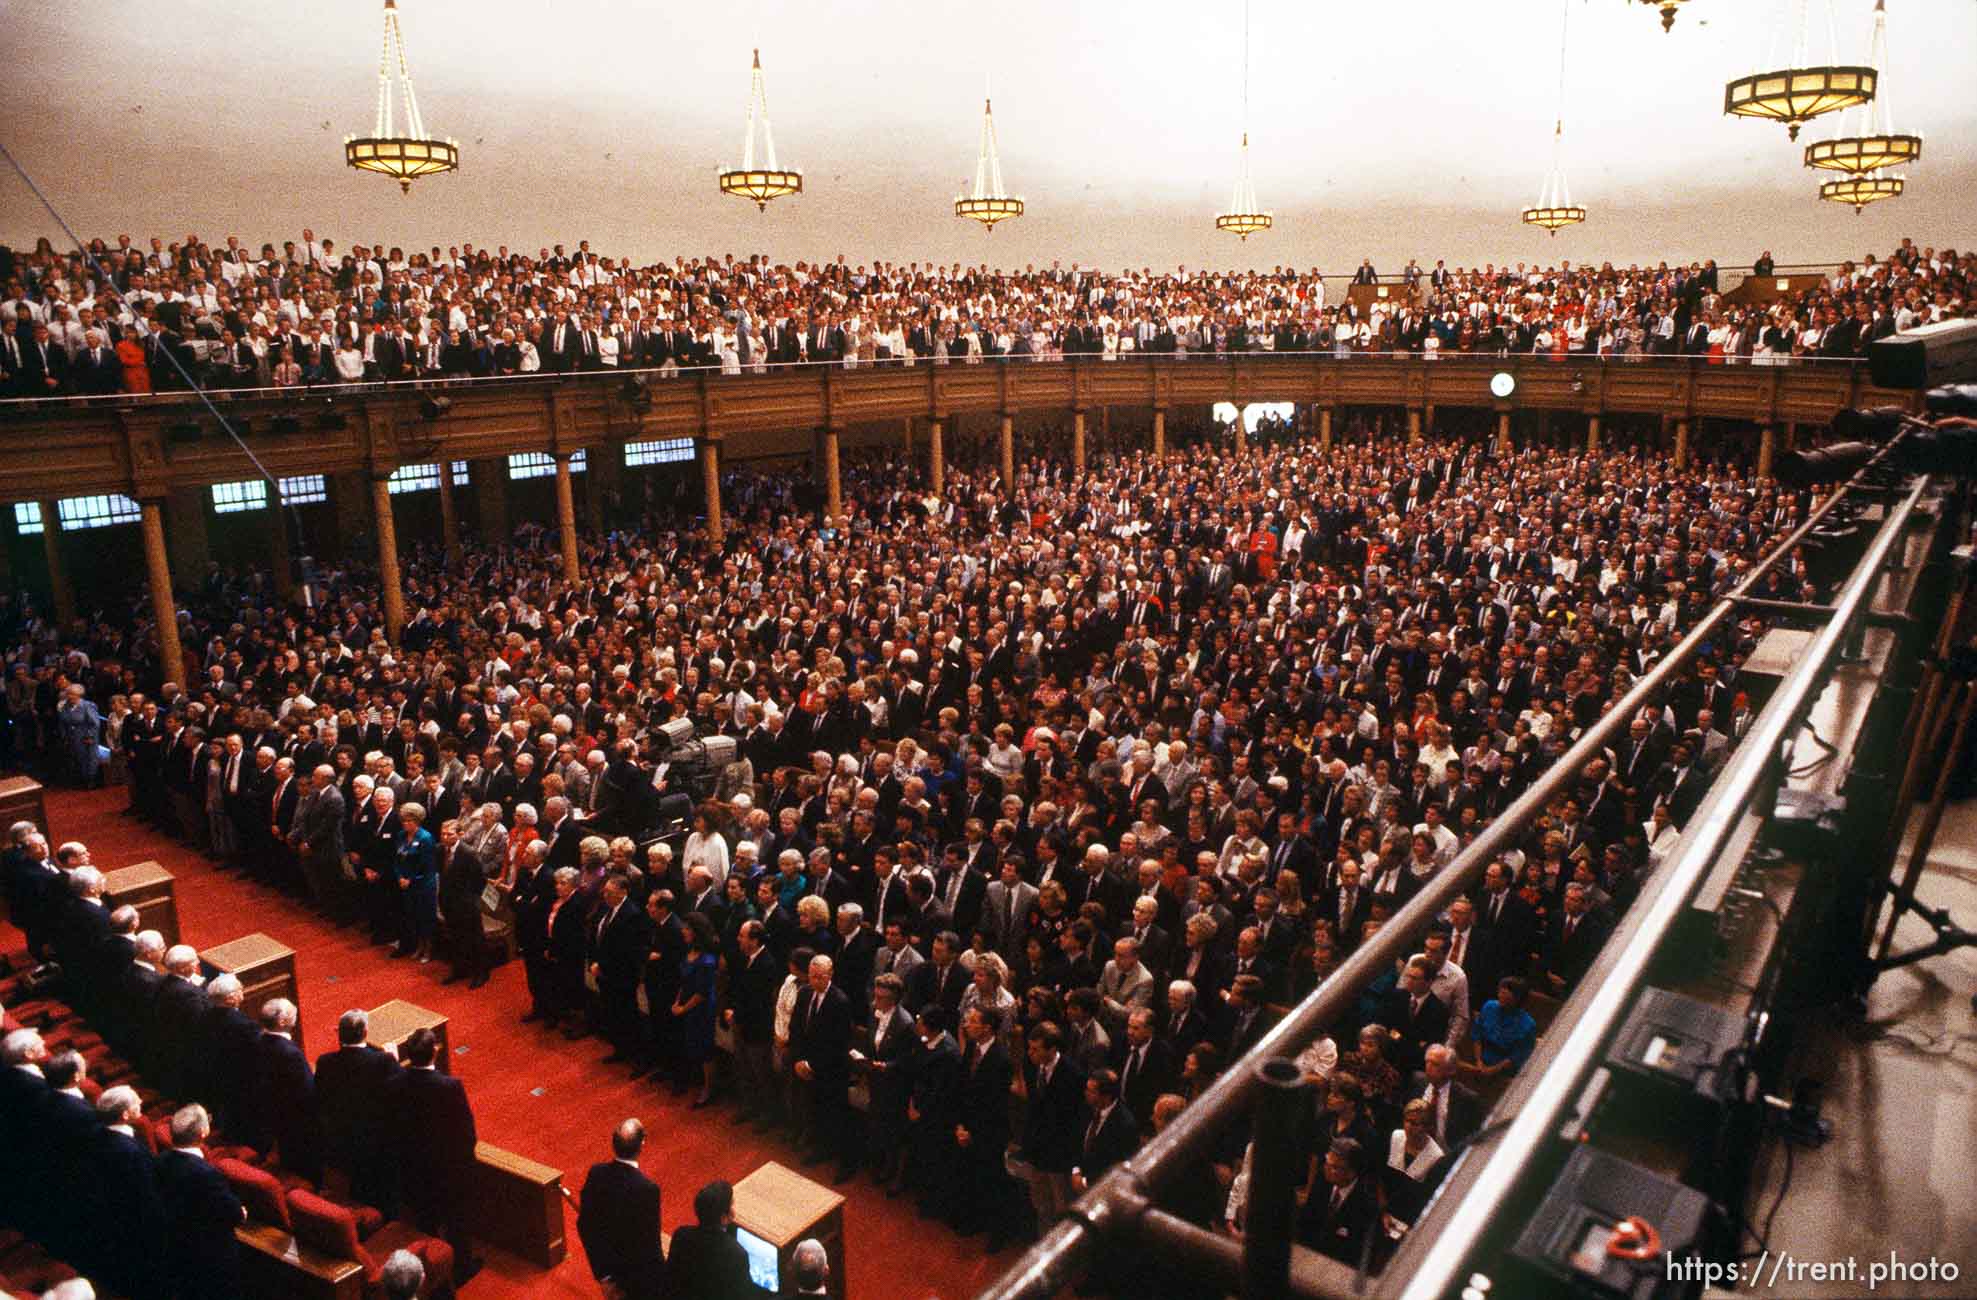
[
  {"x": 1867, "y": 145},
  {"x": 1554, "y": 207},
  {"x": 1795, "y": 95},
  {"x": 1245, "y": 216},
  {"x": 406, "y": 157},
  {"x": 766, "y": 182},
  {"x": 990, "y": 203},
  {"x": 1668, "y": 10}
]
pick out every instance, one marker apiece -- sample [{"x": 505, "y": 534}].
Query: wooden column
[
  {"x": 1078, "y": 441},
  {"x": 449, "y": 517},
  {"x": 171, "y": 656},
  {"x": 1767, "y": 447},
  {"x": 1242, "y": 434},
  {"x": 1008, "y": 454},
  {"x": 1681, "y": 444},
  {"x": 566, "y": 514},
  {"x": 1428, "y": 418},
  {"x": 1414, "y": 424},
  {"x": 58, "y": 578},
  {"x": 388, "y": 577},
  {"x": 1159, "y": 434},
  {"x": 1592, "y": 435},
  {"x": 710, "y": 487},
  {"x": 1791, "y": 435},
  {"x": 1324, "y": 428},
  {"x": 833, "y": 481},
  {"x": 908, "y": 443},
  {"x": 936, "y": 457},
  {"x": 1503, "y": 432},
  {"x": 490, "y": 479}
]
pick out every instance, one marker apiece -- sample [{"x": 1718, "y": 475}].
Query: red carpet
[{"x": 533, "y": 1093}]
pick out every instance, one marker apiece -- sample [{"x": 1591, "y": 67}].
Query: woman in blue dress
[
  {"x": 82, "y": 733},
  {"x": 694, "y": 1008},
  {"x": 417, "y": 863}
]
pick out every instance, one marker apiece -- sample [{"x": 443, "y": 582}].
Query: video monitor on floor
[{"x": 763, "y": 1268}]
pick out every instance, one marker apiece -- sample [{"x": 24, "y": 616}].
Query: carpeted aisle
[{"x": 533, "y": 1093}]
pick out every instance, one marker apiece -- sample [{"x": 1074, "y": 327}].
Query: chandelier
[
  {"x": 406, "y": 157},
  {"x": 749, "y": 181},
  {"x": 990, "y": 203},
  {"x": 1869, "y": 145},
  {"x": 1795, "y": 95},
  {"x": 1554, "y": 207},
  {"x": 1245, "y": 216},
  {"x": 1668, "y": 9}
]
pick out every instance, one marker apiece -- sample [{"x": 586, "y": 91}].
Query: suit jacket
[
  {"x": 433, "y": 1136},
  {"x": 925, "y": 987},
  {"x": 619, "y": 1223},
  {"x": 1006, "y": 914},
  {"x": 823, "y": 1038},
  {"x": 984, "y": 1100},
  {"x": 1343, "y": 1231},
  {"x": 1054, "y": 1115},
  {"x": 1417, "y": 1031},
  {"x": 1568, "y": 956},
  {"x": 227, "y": 1072},
  {"x": 201, "y": 1213},
  {"x": 117, "y": 1183},
  {"x": 287, "y": 1098},
  {"x": 354, "y": 1087},
  {"x": 1140, "y": 1087},
  {"x": 709, "y": 1264},
  {"x": 1107, "y": 1142},
  {"x": 1466, "y": 1110}
]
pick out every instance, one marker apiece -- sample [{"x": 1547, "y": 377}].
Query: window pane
[
  {"x": 232, "y": 498},
  {"x": 27, "y": 518},
  {"x": 413, "y": 478},
  {"x": 304, "y": 490},
  {"x": 537, "y": 464},
  {"x": 658, "y": 453},
  {"x": 96, "y": 511}
]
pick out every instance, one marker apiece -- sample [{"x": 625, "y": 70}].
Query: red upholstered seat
[
  {"x": 322, "y": 1224},
  {"x": 89, "y": 1088},
  {"x": 260, "y": 1191}
]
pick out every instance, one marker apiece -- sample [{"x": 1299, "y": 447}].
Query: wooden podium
[
  {"x": 781, "y": 1207},
  {"x": 20, "y": 801},
  {"x": 147, "y": 887},
  {"x": 265, "y": 969},
  {"x": 395, "y": 1021}
]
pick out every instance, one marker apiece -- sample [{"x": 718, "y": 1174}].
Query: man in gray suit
[
  {"x": 1124, "y": 984},
  {"x": 1006, "y": 909},
  {"x": 318, "y": 840}
]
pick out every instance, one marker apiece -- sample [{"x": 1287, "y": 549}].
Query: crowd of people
[
  {"x": 128, "y": 318},
  {"x": 1040, "y": 803},
  {"x": 81, "y": 1177}
]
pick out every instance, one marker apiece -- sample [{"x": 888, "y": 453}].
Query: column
[
  {"x": 449, "y": 518},
  {"x": 1324, "y": 428},
  {"x": 1428, "y": 419},
  {"x": 164, "y": 611},
  {"x": 1503, "y": 432},
  {"x": 187, "y": 544},
  {"x": 1078, "y": 441},
  {"x": 1242, "y": 434},
  {"x": 1414, "y": 424},
  {"x": 833, "y": 482},
  {"x": 1592, "y": 435},
  {"x": 1681, "y": 444},
  {"x": 58, "y": 578},
  {"x": 908, "y": 438},
  {"x": 1159, "y": 434},
  {"x": 602, "y": 484},
  {"x": 1008, "y": 454},
  {"x": 1791, "y": 435},
  {"x": 388, "y": 576},
  {"x": 936, "y": 458},
  {"x": 1767, "y": 447},
  {"x": 566, "y": 514},
  {"x": 710, "y": 487}
]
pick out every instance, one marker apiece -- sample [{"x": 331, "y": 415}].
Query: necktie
[{"x": 1456, "y": 949}]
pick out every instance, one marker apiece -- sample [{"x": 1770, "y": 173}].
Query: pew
[{"x": 278, "y": 1267}]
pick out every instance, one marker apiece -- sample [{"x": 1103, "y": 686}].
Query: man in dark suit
[
  {"x": 619, "y": 938},
  {"x": 433, "y": 1139},
  {"x": 751, "y": 1014},
  {"x": 1053, "y": 1092},
  {"x": 707, "y": 1262},
  {"x": 665, "y": 950},
  {"x": 939, "y": 981},
  {"x": 981, "y": 1130},
  {"x": 172, "y": 1040},
  {"x": 820, "y": 1047},
  {"x": 1111, "y": 1134},
  {"x": 227, "y": 1063},
  {"x": 887, "y": 1069},
  {"x": 1340, "y": 1220},
  {"x": 202, "y": 1257},
  {"x": 1572, "y": 939},
  {"x": 1413, "y": 1015},
  {"x": 117, "y": 1184},
  {"x": 618, "y": 1220},
  {"x": 1145, "y": 1066},
  {"x": 287, "y": 1091},
  {"x": 354, "y": 1085}
]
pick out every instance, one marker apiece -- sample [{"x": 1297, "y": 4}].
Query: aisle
[{"x": 533, "y": 1093}]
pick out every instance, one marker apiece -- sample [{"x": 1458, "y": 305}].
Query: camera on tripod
[{"x": 1943, "y": 354}]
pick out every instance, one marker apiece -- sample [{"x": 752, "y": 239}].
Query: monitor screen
[{"x": 763, "y": 1268}]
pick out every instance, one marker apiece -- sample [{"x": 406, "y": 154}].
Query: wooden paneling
[{"x": 130, "y": 446}]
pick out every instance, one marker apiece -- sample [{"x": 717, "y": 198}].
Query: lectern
[{"x": 775, "y": 1208}]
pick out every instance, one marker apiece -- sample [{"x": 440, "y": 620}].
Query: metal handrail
[
  {"x": 1122, "y": 1196},
  {"x": 663, "y": 374}
]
